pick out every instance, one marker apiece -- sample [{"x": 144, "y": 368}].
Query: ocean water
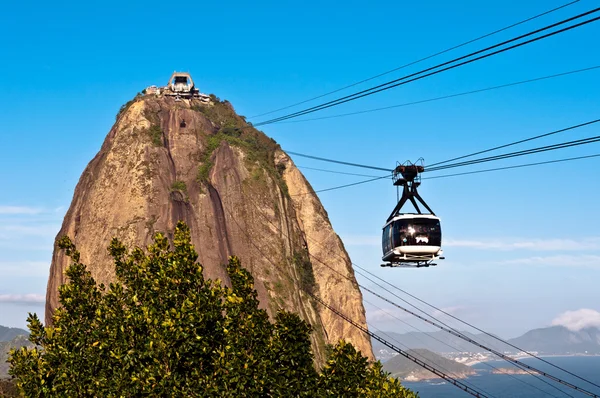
[{"x": 519, "y": 386}]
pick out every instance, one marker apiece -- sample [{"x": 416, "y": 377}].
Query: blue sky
[{"x": 522, "y": 246}]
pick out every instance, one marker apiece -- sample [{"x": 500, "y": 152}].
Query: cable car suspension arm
[{"x": 407, "y": 176}]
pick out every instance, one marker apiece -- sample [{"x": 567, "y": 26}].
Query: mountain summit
[{"x": 192, "y": 158}]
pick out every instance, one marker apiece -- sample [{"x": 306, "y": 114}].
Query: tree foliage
[{"x": 163, "y": 330}]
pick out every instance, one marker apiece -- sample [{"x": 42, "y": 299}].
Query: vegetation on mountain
[
  {"x": 234, "y": 130},
  {"x": 126, "y": 106},
  {"x": 162, "y": 329}
]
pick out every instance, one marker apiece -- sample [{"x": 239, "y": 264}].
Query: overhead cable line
[
  {"x": 414, "y": 76},
  {"x": 513, "y": 167},
  {"x": 423, "y": 357},
  {"x": 475, "y": 161},
  {"x": 405, "y": 354},
  {"x": 568, "y": 144},
  {"x": 464, "y": 322},
  {"x": 435, "y": 308},
  {"x": 460, "y": 335},
  {"x": 360, "y": 327},
  {"x": 442, "y": 97},
  {"x": 419, "y": 60},
  {"x": 481, "y": 171},
  {"x": 339, "y": 162},
  {"x": 323, "y": 159},
  {"x": 344, "y": 186},
  {"x": 335, "y": 172},
  {"x": 517, "y": 142},
  {"x": 499, "y": 157},
  {"x": 501, "y": 371},
  {"x": 422, "y": 301},
  {"x": 446, "y": 328}
]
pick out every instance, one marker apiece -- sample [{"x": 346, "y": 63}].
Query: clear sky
[{"x": 522, "y": 246}]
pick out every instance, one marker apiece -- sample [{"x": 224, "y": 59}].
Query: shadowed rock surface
[{"x": 240, "y": 194}]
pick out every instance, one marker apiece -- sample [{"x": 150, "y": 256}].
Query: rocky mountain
[
  {"x": 7, "y": 334},
  {"x": 560, "y": 340},
  {"x": 405, "y": 369},
  {"x": 167, "y": 159}
]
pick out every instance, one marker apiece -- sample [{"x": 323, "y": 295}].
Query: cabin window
[
  {"x": 396, "y": 234},
  {"x": 417, "y": 232},
  {"x": 385, "y": 239}
]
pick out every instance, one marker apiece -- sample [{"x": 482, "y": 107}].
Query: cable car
[{"x": 411, "y": 239}]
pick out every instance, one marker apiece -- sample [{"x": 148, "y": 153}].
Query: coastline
[{"x": 525, "y": 356}]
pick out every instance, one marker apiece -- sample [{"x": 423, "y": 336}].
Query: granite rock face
[{"x": 240, "y": 194}]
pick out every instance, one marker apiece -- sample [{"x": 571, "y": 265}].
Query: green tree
[
  {"x": 163, "y": 330},
  {"x": 348, "y": 374}
]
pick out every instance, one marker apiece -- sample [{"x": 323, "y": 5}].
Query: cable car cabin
[{"x": 412, "y": 240}]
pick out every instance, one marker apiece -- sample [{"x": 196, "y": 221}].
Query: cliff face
[{"x": 165, "y": 161}]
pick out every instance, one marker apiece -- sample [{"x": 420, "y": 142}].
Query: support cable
[
  {"x": 449, "y": 329},
  {"x": 433, "y": 168},
  {"x": 460, "y": 174},
  {"x": 468, "y": 339},
  {"x": 405, "y": 354},
  {"x": 562, "y": 145},
  {"x": 343, "y": 186},
  {"x": 517, "y": 142},
  {"x": 339, "y": 161},
  {"x": 463, "y": 322},
  {"x": 455, "y": 174},
  {"x": 363, "y": 329},
  {"x": 513, "y": 167},
  {"x": 336, "y": 172},
  {"x": 419, "y": 60},
  {"x": 423, "y": 357},
  {"x": 484, "y": 362},
  {"x": 401, "y": 81},
  {"x": 481, "y": 90}
]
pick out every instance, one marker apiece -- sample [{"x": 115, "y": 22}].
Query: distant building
[
  {"x": 181, "y": 85},
  {"x": 152, "y": 90}
]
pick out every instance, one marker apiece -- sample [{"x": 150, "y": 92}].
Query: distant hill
[
  {"x": 7, "y": 334},
  {"x": 405, "y": 369},
  {"x": 5, "y": 346},
  {"x": 551, "y": 340},
  {"x": 560, "y": 340},
  {"x": 440, "y": 341}
]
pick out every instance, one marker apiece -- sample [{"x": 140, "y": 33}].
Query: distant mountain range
[
  {"x": 5, "y": 346},
  {"x": 10, "y": 338},
  {"x": 405, "y": 369},
  {"x": 7, "y": 334},
  {"x": 560, "y": 340},
  {"x": 440, "y": 342},
  {"x": 554, "y": 340}
]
